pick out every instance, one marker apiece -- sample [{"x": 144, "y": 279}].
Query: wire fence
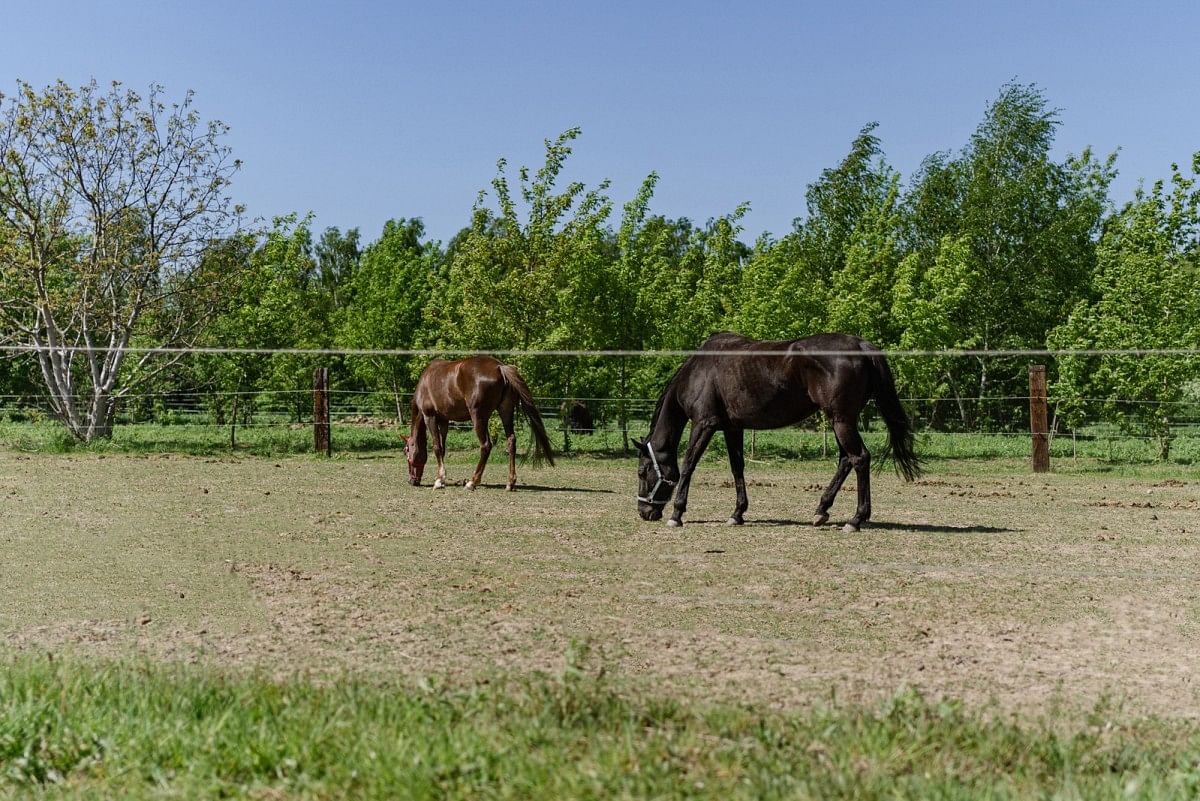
[
  {"x": 600, "y": 423},
  {"x": 365, "y": 420}
]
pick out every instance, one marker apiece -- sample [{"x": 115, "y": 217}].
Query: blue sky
[{"x": 364, "y": 111}]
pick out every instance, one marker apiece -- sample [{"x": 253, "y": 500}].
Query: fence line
[
  {"x": 547, "y": 399},
  {"x": 551, "y": 407},
  {"x": 466, "y": 427}
]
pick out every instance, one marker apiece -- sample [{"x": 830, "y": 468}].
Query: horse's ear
[{"x": 640, "y": 445}]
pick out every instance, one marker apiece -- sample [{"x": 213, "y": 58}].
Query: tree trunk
[
  {"x": 980, "y": 407},
  {"x": 963, "y": 415},
  {"x": 88, "y": 421},
  {"x": 399, "y": 404}
]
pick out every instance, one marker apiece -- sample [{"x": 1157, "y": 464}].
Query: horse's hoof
[
  {"x": 734, "y": 521},
  {"x": 471, "y": 485},
  {"x": 439, "y": 484},
  {"x": 850, "y": 528},
  {"x": 820, "y": 519},
  {"x": 673, "y": 523},
  {"x": 510, "y": 487}
]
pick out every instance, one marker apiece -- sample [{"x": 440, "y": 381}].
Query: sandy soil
[{"x": 980, "y": 582}]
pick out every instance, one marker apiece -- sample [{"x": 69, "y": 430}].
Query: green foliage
[
  {"x": 841, "y": 199},
  {"x": 860, "y": 294},
  {"x": 834, "y": 271},
  {"x": 932, "y": 310},
  {"x": 1145, "y": 294},
  {"x": 545, "y": 271},
  {"x": 782, "y": 294},
  {"x": 387, "y": 298},
  {"x": 272, "y": 306},
  {"x": 1000, "y": 243},
  {"x": 503, "y": 283},
  {"x": 337, "y": 258}
]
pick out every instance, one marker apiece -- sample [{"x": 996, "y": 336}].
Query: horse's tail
[
  {"x": 542, "y": 449},
  {"x": 899, "y": 445}
]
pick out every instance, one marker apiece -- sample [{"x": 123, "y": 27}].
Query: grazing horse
[
  {"x": 746, "y": 383},
  {"x": 470, "y": 389}
]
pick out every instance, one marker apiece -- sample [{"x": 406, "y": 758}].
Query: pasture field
[{"x": 1019, "y": 597}]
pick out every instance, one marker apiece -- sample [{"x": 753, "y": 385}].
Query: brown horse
[
  {"x": 470, "y": 389},
  {"x": 734, "y": 383}
]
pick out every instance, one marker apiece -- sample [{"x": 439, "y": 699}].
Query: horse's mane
[{"x": 662, "y": 399}]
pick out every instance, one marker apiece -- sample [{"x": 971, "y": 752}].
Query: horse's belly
[
  {"x": 774, "y": 412},
  {"x": 455, "y": 412}
]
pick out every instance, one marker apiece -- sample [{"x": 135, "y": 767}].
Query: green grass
[
  {"x": 80, "y": 729},
  {"x": 1098, "y": 444},
  {"x": 194, "y": 440}
]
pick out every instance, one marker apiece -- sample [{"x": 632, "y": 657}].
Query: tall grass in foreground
[{"x": 80, "y": 729}]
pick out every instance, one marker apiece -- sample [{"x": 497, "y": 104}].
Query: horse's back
[
  {"x": 774, "y": 383},
  {"x": 825, "y": 343},
  {"x": 450, "y": 389}
]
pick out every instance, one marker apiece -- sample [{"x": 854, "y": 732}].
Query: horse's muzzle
[{"x": 649, "y": 512}]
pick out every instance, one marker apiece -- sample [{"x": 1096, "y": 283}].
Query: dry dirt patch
[{"x": 979, "y": 582}]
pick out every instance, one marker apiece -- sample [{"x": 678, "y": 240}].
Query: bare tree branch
[{"x": 109, "y": 204}]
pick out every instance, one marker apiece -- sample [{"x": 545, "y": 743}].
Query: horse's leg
[
  {"x": 697, "y": 442},
  {"x": 835, "y": 484},
  {"x": 735, "y": 442},
  {"x": 506, "y": 419},
  {"x": 438, "y": 432},
  {"x": 480, "y": 423},
  {"x": 858, "y": 456}
]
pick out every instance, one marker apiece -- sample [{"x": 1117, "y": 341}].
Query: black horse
[{"x": 734, "y": 383}]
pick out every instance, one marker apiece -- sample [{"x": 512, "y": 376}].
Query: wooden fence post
[
  {"x": 322, "y": 441},
  {"x": 1038, "y": 424}
]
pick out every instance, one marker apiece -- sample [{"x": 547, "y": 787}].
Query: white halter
[{"x": 649, "y": 498}]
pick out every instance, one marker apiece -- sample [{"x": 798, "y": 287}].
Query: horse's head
[
  {"x": 416, "y": 456},
  {"x": 657, "y": 473}
]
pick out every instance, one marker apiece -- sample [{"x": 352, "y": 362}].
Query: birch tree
[{"x": 109, "y": 201}]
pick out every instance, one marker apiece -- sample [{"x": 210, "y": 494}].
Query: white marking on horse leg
[
  {"x": 471, "y": 485},
  {"x": 438, "y": 484},
  {"x": 734, "y": 521},
  {"x": 673, "y": 523}
]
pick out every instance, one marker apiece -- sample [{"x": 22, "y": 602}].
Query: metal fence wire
[{"x": 1098, "y": 424}]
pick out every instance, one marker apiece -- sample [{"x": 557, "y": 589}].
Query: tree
[
  {"x": 274, "y": 303},
  {"x": 834, "y": 270},
  {"x": 1018, "y": 227},
  {"x": 840, "y": 199},
  {"x": 861, "y": 290},
  {"x": 337, "y": 257},
  {"x": 931, "y": 308},
  {"x": 709, "y": 284},
  {"x": 782, "y": 294},
  {"x": 656, "y": 269},
  {"x": 388, "y": 294},
  {"x": 526, "y": 281},
  {"x": 1144, "y": 295},
  {"x": 110, "y": 201}
]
